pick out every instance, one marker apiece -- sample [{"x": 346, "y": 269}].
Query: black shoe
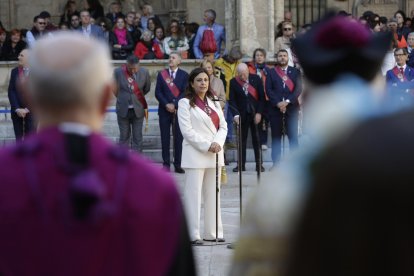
[
  {"x": 179, "y": 170},
  {"x": 262, "y": 169},
  {"x": 197, "y": 242},
  {"x": 236, "y": 169},
  {"x": 214, "y": 240}
]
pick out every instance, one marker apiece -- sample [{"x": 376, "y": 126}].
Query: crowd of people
[
  {"x": 141, "y": 33},
  {"x": 201, "y": 107}
]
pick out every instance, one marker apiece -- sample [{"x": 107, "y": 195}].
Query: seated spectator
[
  {"x": 38, "y": 30},
  {"x": 147, "y": 49},
  {"x": 69, "y": 10},
  {"x": 120, "y": 40},
  {"x": 190, "y": 31},
  {"x": 13, "y": 46},
  {"x": 133, "y": 30},
  {"x": 88, "y": 28},
  {"x": 63, "y": 26},
  {"x": 401, "y": 29},
  {"x": 106, "y": 26},
  {"x": 74, "y": 23},
  {"x": 159, "y": 38},
  {"x": 410, "y": 47},
  {"x": 95, "y": 8},
  {"x": 115, "y": 12},
  {"x": 3, "y": 38},
  {"x": 137, "y": 20},
  {"x": 393, "y": 28},
  {"x": 176, "y": 41},
  {"x": 283, "y": 42},
  {"x": 152, "y": 25},
  {"x": 147, "y": 13},
  {"x": 50, "y": 27}
]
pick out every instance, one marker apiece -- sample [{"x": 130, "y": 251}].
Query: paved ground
[{"x": 214, "y": 259}]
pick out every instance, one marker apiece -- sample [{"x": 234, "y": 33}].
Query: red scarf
[
  {"x": 252, "y": 91},
  {"x": 289, "y": 83},
  {"x": 208, "y": 110},
  {"x": 170, "y": 83}
]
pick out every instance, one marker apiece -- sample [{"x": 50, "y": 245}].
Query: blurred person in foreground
[
  {"x": 204, "y": 130},
  {"x": 81, "y": 205},
  {"x": 340, "y": 72},
  {"x": 356, "y": 219}
]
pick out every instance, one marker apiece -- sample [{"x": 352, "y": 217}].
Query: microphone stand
[{"x": 217, "y": 192}]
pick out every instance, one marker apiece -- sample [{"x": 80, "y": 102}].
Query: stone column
[
  {"x": 232, "y": 24},
  {"x": 178, "y": 10},
  {"x": 256, "y": 25}
]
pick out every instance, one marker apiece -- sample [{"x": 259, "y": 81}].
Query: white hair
[{"x": 68, "y": 70}]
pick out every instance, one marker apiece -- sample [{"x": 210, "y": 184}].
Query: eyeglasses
[
  {"x": 103, "y": 25},
  {"x": 399, "y": 55},
  {"x": 287, "y": 29}
]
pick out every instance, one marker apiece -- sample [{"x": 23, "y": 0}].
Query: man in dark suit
[
  {"x": 247, "y": 98},
  {"x": 21, "y": 115},
  {"x": 400, "y": 79},
  {"x": 88, "y": 29},
  {"x": 132, "y": 84},
  {"x": 170, "y": 88},
  {"x": 283, "y": 87}
]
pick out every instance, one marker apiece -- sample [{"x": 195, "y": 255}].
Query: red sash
[
  {"x": 209, "y": 111},
  {"x": 289, "y": 83},
  {"x": 252, "y": 91},
  {"x": 253, "y": 71},
  {"x": 170, "y": 83},
  {"x": 134, "y": 87},
  {"x": 398, "y": 74}
]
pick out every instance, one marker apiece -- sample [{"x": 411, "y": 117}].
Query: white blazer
[{"x": 199, "y": 132}]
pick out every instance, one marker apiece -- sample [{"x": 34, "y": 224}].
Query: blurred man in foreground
[{"x": 79, "y": 204}]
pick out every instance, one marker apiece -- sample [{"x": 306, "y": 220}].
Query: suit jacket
[
  {"x": 276, "y": 90},
  {"x": 199, "y": 132},
  {"x": 163, "y": 93},
  {"x": 14, "y": 94},
  {"x": 246, "y": 104},
  {"x": 394, "y": 81},
  {"x": 125, "y": 96},
  {"x": 96, "y": 32},
  {"x": 39, "y": 234}
]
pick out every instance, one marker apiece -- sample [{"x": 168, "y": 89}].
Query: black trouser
[
  {"x": 166, "y": 121},
  {"x": 246, "y": 124},
  {"x": 22, "y": 129},
  {"x": 291, "y": 128}
]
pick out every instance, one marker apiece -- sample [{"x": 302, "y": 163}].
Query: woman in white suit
[{"x": 204, "y": 130}]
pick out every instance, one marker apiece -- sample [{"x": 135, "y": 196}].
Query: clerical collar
[{"x": 76, "y": 128}]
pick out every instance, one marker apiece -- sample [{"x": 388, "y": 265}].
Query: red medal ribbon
[
  {"x": 289, "y": 83},
  {"x": 134, "y": 85},
  {"x": 208, "y": 110},
  {"x": 252, "y": 91},
  {"x": 398, "y": 74},
  {"x": 170, "y": 83}
]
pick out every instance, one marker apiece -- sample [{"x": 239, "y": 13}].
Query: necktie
[
  {"x": 402, "y": 71},
  {"x": 172, "y": 75}
]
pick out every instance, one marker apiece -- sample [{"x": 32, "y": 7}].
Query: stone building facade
[{"x": 249, "y": 23}]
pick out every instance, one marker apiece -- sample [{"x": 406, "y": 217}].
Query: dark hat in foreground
[{"x": 338, "y": 45}]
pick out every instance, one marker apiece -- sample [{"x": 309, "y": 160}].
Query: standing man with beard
[
  {"x": 170, "y": 87},
  {"x": 283, "y": 87}
]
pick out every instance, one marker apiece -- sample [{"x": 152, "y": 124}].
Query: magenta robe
[{"x": 145, "y": 234}]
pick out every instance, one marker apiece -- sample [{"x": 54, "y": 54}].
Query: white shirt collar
[{"x": 77, "y": 128}]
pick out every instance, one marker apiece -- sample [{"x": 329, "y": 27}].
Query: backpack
[{"x": 208, "y": 42}]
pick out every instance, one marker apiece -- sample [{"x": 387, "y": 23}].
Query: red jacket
[{"x": 141, "y": 50}]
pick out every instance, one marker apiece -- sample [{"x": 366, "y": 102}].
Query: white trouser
[{"x": 197, "y": 182}]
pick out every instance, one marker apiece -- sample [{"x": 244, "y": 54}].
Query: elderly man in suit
[
  {"x": 81, "y": 205},
  {"x": 247, "y": 101},
  {"x": 283, "y": 87},
  {"x": 88, "y": 29},
  {"x": 20, "y": 112},
  {"x": 132, "y": 84},
  {"x": 400, "y": 79},
  {"x": 170, "y": 87}
]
